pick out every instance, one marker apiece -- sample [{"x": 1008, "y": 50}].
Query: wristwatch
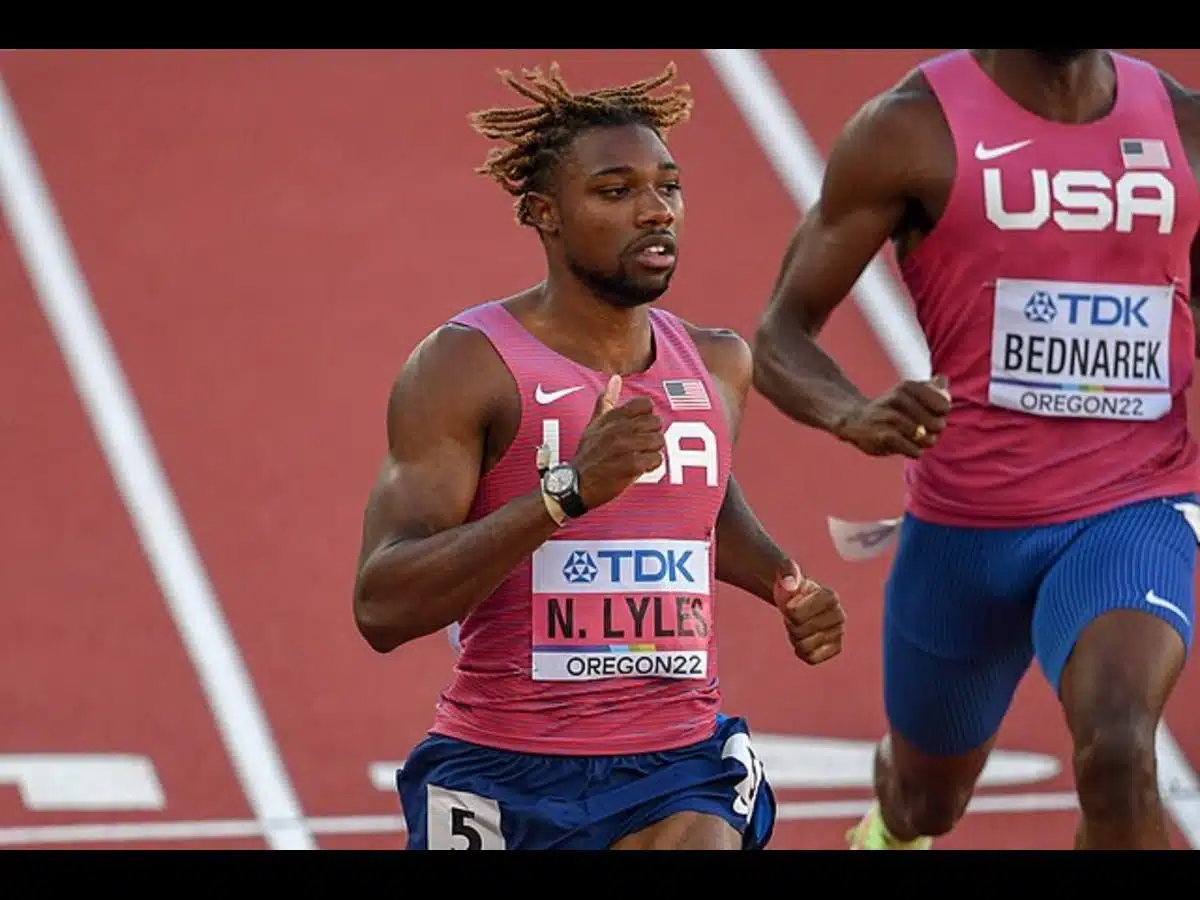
[{"x": 561, "y": 483}]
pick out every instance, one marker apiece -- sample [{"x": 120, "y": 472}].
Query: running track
[{"x": 265, "y": 235}]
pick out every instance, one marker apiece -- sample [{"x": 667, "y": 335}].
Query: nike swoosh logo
[
  {"x": 543, "y": 397},
  {"x": 986, "y": 153},
  {"x": 1154, "y": 600}
]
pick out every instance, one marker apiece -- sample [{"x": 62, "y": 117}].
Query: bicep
[
  {"x": 419, "y": 495},
  {"x": 1187, "y": 116},
  {"x": 427, "y": 480},
  {"x": 862, "y": 202}
]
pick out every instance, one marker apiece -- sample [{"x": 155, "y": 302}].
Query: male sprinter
[
  {"x": 1043, "y": 205},
  {"x": 559, "y": 483}
]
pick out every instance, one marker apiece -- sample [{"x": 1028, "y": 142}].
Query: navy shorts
[
  {"x": 461, "y": 796},
  {"x": 967, "y": 610}
]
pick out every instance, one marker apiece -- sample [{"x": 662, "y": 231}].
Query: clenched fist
[
  {"x": 906, "y": 420},
  {"x": 619, "y": 445},
  {"x": 812, "y": 613}
]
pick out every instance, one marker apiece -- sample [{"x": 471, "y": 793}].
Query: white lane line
[
  {"x": 233, "y": 829},
  {"x": 108, "y": 400}
]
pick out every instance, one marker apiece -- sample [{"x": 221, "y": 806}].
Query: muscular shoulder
[
  {"x": 894, "y": 127},
  {"x": 1186, "y": 104},
  {"x": 897, "y": 148},
  {"x": 726, "y": 355},
  {"x": 905, "y": 112},
  {"x": 430, "y": 394}
]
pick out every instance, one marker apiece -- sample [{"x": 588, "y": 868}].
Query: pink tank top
[
  {"x": 603, "y": 642},
  {"x": 1053, "y": 295}
]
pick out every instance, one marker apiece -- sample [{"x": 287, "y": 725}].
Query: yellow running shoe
[{"x": 871, "y": 834}]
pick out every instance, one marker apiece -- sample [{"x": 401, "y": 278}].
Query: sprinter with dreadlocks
[{"x": 558, "y": 483}]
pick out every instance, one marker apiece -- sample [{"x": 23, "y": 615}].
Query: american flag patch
[
  {"x": 686, "y": 393},
  {"x": 1140, "y": 153}
]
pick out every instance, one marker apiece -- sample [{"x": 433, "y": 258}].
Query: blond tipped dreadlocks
[{"x": 538, "y": 134}]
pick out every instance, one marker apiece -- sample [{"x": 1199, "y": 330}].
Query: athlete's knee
[
  {"x": 1113, "y": 690},
  {"x": 931, "y": 809},
  {"x": 1113, "y": 731},
  {"x": 921, "y": 795},
  {"x": 1114, "y": 760}
]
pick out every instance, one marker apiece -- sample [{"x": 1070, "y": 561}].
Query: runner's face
[{"x": 620, "y": 207}]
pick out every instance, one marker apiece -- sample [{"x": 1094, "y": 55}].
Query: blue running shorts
[
  {"x": 461, "y": 796},
  {"x": 966, "y": 610}
]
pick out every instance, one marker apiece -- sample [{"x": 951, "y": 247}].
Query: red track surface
[{"x": 266, "y": 235}]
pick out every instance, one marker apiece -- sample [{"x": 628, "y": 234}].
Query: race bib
[
  {"x": 1096, "y": 351},
  {"x": 621, "y": 609}
]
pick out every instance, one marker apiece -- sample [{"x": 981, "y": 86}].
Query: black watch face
[{"x": 559, "y": 481}]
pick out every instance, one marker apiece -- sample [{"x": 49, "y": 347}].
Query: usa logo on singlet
[{"x": 1085, "y": 200}]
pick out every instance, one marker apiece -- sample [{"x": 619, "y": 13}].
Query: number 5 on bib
[{"x": 460, "y": 820}]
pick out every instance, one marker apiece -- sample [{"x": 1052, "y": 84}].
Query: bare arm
[
  {"x": 420, "y": 567},
  {"x": 1187, "y": 116},
  {"x": 1194, "y": 296},
  {"x": 863, "y": 199},
  {"x": 747, "y": 557}
]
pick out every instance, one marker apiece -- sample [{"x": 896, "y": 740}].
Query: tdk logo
[
  {"x": 1096, "y": 310},
  {"x": 657, "y": 565},
  {"x": 1041, "y": 308},
  {"x": 580, "y": 568},
  {"x": 647, "y": 566}
]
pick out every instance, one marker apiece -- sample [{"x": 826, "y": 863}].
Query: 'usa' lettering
[
  {"x": 1082, "y": 200},
  {"x": 677, "y": 458}
]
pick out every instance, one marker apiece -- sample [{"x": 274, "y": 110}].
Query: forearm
[
  {"x": 747, "y": 557},
  {"x": 800, "y": 379},
  {"x": 412, "y": 588}
]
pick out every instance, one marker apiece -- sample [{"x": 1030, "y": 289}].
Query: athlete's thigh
[
  {"x": 956, "y": 633},
  {"x": 1140, "y": 557},
  {"x": 711, "y": 795},
  {"x": 684, "y": 831}
]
